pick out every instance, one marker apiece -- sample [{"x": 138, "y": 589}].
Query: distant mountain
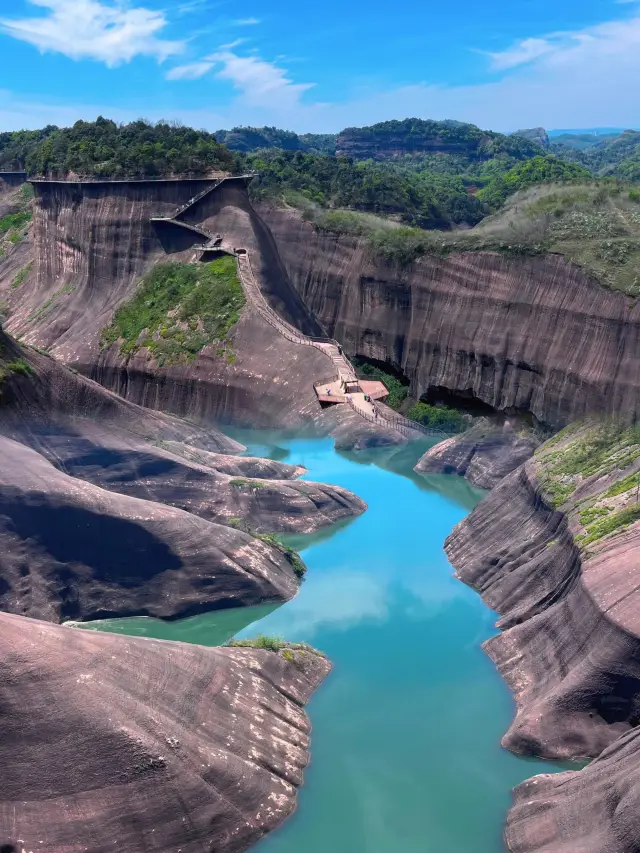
[
  {"x": 247, "y": 139},
  {"x": 583, "y": 141},
  {"x": 416, "y": 138},
  {"x": 536, "y": 134},
  {"x": 615, "y": 155},
  {"x": 590, "y": 131}
]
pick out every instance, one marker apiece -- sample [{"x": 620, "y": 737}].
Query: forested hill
[
  {"x": 418, "y": 138},
  {"x": 104, "y": 149},
  {"x": 248, "y": 139}
]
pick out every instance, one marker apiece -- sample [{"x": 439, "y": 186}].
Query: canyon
[{"x": 530, "y": 337}]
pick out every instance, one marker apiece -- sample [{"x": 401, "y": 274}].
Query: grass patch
[
  {"x": 619, "y": 488},
  {"x": 593, "y": 513},
  {"x": 21, "y": 277},
  {"x": 612, "y": 524},
  {"x": 293, "y": 558},
  {"x": 15, "y": 221},
  {"x": 178, "y": 309},
  {"x": 274, "y": 644},
  {"x": 242, "y": 483}
]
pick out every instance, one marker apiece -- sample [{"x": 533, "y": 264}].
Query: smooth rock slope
[{"x": 115, "y": 743}]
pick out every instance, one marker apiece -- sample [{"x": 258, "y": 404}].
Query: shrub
[{"x": 437, "y": 417}]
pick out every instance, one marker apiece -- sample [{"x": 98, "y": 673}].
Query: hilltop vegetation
[
  {"x": 104, "y": 149},
  {"x": 616, "y": 156},
  {"x": 247, "y": 139}
]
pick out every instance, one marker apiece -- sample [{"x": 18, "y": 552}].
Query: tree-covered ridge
[
  {"x": 617, "y": 156},
  {"x": 537, "y": 170},
  {"x": 337, "y": 182},
  {"x": 248, "y": 139},
  {"x": 104, "y": 149},
  {"x": 413, "y": 136}
]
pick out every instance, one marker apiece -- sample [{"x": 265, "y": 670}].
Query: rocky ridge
[{"x": 559, "y": 568}]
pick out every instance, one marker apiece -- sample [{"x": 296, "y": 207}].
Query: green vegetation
[
  {"x": 104, "y": 149},
  {"x": 437, "y": 417},
  {"x": 14, "y": 221},
  {"x": 584, "y": 451},
  {"x": 294, "y": 559},
  {"x": 537, "y": 170},
  {"x": 241, "y": 483},
  {"x": 21, "y": 366},
  {"x": 274, "y": 644},
  {"x": 617, "y": 155},
  {"x": 178, "y": 309},
  {"x": 21, "y": 277},
  {"x": 397, "y": 389},
  {"x": 612, "y": 524},
  {"x": 625, "y": 485},
  {"x": 248, "y": 139}
]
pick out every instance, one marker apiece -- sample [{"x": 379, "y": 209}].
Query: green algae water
[{"x": 406, "y": 754}]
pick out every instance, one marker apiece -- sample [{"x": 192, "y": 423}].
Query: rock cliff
[
  {"x": 484, "y": 454},
  {"x": 117, "y": 743},
  {"x": 521, "y": 334},
  {"x": 554, "y": 549},
  {"x": 89, "y": 244},
  {"x": 563, "y": 581}
]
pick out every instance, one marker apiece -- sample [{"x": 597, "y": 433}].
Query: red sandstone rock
[{"x": 117, "y": 743}]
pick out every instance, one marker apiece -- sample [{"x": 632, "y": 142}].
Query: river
[{"x": 406, "y": 754}]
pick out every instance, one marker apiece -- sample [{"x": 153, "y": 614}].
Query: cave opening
[{"x": 463, "y": 401}]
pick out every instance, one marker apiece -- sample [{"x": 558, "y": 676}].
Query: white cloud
[
  {"x": 246, "y": 22},
  {"x": 590, "y": 78},
  {"x": 192, "y": 71},
  {"x": 260, "y": 83},
  {"x": 524, "y": 51},
  {"x": 88, "y": 29}
]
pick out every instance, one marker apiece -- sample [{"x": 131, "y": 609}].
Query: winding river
[{"x": 406, "y": 749}]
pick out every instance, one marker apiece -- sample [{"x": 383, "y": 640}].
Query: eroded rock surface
[
  {"x": 484, "y": 454},
  {"x": 534, "y": 334},
  {"x": 570, "y": 648},
  {"x": 594, "y": 810},
  {"x": 117, "y": 743}
]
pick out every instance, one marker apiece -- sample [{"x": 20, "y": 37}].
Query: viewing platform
[{"x": 338, "y": 390}]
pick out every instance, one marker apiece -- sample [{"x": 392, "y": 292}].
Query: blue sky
[{"x": 502, "y": 64}]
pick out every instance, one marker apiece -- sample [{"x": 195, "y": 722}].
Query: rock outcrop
[
  {"x": 110, "y": 509},
  {"x": 521, "y": 334},
  {"x": 118, "y": 743},
  {"x": 563, "y": 581},
  {"x": 594, "y": 810},
  {"x": 484, "y": 454}
]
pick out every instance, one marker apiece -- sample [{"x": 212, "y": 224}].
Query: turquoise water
[{"x": 406, "y": 754}]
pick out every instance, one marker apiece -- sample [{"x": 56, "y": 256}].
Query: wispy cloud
[
  {"x": 89, "y": 29},
  {"x": 520, "y": 53},
  {"x": 246, "y": 22},
  {"x": 191, "y": 71},
  {"x": 259, "y": 82}
]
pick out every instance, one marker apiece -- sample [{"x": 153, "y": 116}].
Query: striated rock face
[
  {"x": 72, "y": 551},
  {"x": 570, "y": 648},
  {"x": 117, "y": 743},
  {"x": 107, "y": 508},
  {"x": 594, "y": 810},
  {"x": 484, "y": 454},
  {"x": 519, "y": 334}
]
